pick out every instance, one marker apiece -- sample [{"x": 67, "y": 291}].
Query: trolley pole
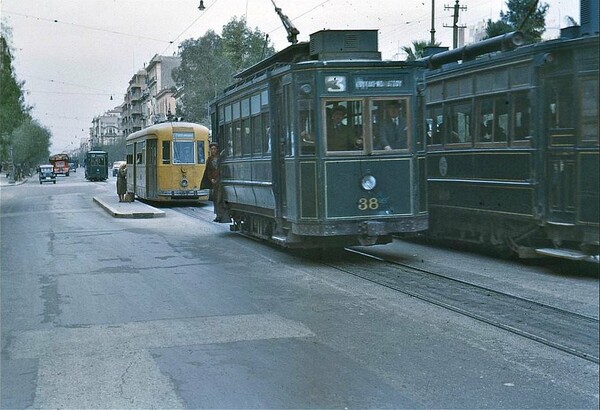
[{"x": 455, "y": 25}]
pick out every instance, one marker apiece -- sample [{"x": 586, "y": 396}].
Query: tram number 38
[{"x": 365, "y": 204}]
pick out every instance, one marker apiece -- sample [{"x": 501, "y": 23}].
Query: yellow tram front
[{"x": 165, "y": 162}]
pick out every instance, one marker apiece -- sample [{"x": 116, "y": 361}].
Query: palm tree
[{"x": 417, "y": 50}]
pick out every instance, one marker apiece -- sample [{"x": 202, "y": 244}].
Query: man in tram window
[
  {"x": 393, "y": 128},
  {"x": 340, "y": 136}
]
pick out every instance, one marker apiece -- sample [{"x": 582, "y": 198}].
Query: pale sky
[{"x": 75, "y": 54}]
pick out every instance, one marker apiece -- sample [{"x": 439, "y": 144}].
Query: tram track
[
  {"x": 567, "y": 331},
  {"x": 560, "y": 329}
]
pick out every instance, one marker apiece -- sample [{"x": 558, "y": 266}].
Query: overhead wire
[{"x": 86, "y": 27}]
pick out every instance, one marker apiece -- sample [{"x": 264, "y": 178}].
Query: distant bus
[
  {"x": 60, "y": 162},
  {"x": 96, "y": 165},
  {"x": 165, "y": 162}
]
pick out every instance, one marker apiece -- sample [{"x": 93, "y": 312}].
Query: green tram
[
  {"x": 512, "y": 141},
  {"x": 290, "y": 177},
  {"x": 96, "y": 165}
]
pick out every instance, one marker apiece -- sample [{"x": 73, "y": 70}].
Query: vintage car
[{"x": 46, "y": 174}]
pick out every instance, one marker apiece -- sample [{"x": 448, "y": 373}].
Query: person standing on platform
[
  {"x": 122, "y": 182},
  {"x": 210, "y": 180}
]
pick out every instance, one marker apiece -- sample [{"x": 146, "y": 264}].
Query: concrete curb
[{"x": 135, "y": 210}]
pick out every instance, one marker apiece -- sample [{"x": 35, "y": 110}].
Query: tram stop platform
[{"x": 135, "y": 209}]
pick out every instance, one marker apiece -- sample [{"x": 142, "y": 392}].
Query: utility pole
[
  {"x": 455, "y": 25},
  {"x": 432, "y": 42}
]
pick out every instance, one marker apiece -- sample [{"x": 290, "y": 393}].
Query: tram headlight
[
  {"x": 368, "y": 182},
  {"x": 184, "y": 183},
  {"x": 306, "y": 89}
]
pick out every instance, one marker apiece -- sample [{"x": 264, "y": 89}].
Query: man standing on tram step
[
  {"x": 210, "y": 180},
  {"x": 393, "y": 128}
]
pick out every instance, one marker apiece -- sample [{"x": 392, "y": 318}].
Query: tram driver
[{"x": 340, "y": 136}]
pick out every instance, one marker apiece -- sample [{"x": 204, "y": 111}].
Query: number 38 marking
[{"x": 368, "y": 203}]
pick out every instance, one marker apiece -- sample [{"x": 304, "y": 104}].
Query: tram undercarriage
[
  {"x": 511, "y": 236},
  {"x": 323, "y": 235}
]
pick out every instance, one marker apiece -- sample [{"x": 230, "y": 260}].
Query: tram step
[
  {"x": 563, "y": 253},
  {"x": 281, "y": 240}
]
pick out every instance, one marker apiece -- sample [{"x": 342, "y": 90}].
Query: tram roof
[
  {"x": 294, "y": 53},
  {"x": 164, "y": 125}
]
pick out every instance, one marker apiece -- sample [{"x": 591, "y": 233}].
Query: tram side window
[
  {"x": 306, "y": 116},
  {"x": 256, "y": 125},
  {"x": 227, "y": 139},
  {"x": 246, "y": 137},
  {"x": 561, "y": 105},
  {"x": 589, "y": 110},
  {"x": 267, "y": 140},
  {"x": 227, "y": 133},
  {"x": 166, "y": 152},
  {"x": 140, "y": 149},
  {"x": 266, "y": 121},
  {"x": 493, "y": 122},
  {"x": 435, "y": 125},
  {"x": 237, "y": 130},
  {"x": 460, "y": 123},
  {"x": 201, "y": 156},
  {"x": 344, "y": 125},
  {"x": 129, "y": 157},
  {"x": 257, "y": 134},
  {"x": 521, "y": 116},
  {"x": 245, "y": 128}
]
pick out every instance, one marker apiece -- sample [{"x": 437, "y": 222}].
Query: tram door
[
  {"x": 281, "y": 147},
  {"x": 561, "y": 165},
  {"x": 151, "y": 182}
]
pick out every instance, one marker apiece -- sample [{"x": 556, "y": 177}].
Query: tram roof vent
[
  {"x": 588, "y": 13},
  {"x": 344, "y": 45}
]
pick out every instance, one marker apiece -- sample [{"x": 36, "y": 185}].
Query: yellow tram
[{"x": 165, "y": 162}]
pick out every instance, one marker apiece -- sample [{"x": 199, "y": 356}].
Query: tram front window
[
  {"x": 183, "y": 148},
  {"x": 344, "y": 126},
  {"x": 390, "y": 124}
]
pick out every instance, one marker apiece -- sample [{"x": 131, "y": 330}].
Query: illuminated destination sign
[{"x": 364, "y": 83}]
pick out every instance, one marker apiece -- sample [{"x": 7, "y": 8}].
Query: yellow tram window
[
  {"x": 166, "y": 152},
  {"x": 183, "y": 148}
]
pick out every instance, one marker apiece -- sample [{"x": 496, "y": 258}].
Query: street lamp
[{"x": 201, "y": 6}]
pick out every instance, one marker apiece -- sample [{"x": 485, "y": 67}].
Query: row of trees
[{"x": 23, "y": 141}]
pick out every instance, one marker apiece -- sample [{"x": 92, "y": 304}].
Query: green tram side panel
[
  {"x": 490, "y": 182},
  {"x": 512, "y": 200},
  {"x": 493, "y": 166},
  {"x": 589, "y": 188},
  {"x": 249, "y": 184},
  {"x": 391, "y": 196},
  {"x": 308, "y": 190}
]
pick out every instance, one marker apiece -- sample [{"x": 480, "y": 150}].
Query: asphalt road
[{"x": 177, "y": 312}]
